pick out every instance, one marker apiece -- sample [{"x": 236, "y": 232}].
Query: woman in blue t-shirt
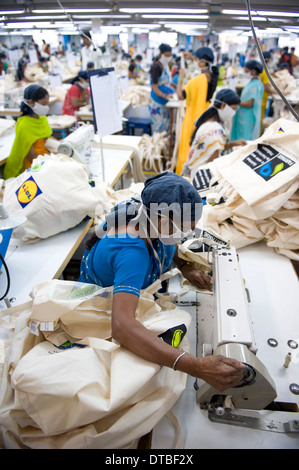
[{"x": 137, "y": 244}]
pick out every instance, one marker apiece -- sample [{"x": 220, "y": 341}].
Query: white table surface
[
  {"x": 30, "y": 264},
  {"x": 274, "y": 307}
]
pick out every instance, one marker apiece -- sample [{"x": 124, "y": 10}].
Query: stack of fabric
[{"x": 252, "y": 194}]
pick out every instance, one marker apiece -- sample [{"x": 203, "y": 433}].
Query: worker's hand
[
  {"x": 221, "y": 372},
  {"x": 240, "y": 142},
  {"x": 196, "y": 277}
]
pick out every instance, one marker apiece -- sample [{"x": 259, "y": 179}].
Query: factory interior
[{"x": 149, "y": 227}]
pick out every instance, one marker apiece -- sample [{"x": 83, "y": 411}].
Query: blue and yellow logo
[
  {"x": 280, "y": 131},
  {"x": 27, "y": 192}
]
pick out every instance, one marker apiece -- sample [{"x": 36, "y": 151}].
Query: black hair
[
  {"x": 213, "y": 83},
  {"x": 208, "y": 114}
]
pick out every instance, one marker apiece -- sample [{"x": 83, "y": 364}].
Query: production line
[{"x": 181, "y": 338}]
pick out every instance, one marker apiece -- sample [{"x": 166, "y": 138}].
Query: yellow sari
[{"x": 196, "y": 104}]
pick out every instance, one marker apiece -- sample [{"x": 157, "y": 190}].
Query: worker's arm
[
  {"x": 160, "y": 93},
  {"x": 180, "y": 85},
  {"x": 78, "y": 102},
  {"x": 31, "y": 154},
  {"x": 247, "y": 104},
  {"x": 235, "y": 143},
  {"x": 220, "y": 372}
]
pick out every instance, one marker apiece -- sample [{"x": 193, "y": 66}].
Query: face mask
[
  {"x": 39, "y": 109},
  {"x": 165, "y": 60},
  {"x": 84, "y": 85},
  {"x": 175, "y": 237},
  {"x": 227, "y": 113}
]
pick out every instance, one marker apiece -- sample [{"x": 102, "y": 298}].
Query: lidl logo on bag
[
  {"x": 267, "y": 162},
  {"x": 28, "y": 191},
  {"x": 174, "y": 336}
]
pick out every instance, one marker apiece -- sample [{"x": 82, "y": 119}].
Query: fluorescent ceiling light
[
  {"x": 185, "y": 26},
  {"x": 245, "y": 18},
  {"x": 101, "y": 16},
  {"x": 12, "y": 12},
  {"x": 139, "y": 25},
  {"x": 277, "y": 13},
  {"x": 40, "y": 25},
  {"x": 25, "y": 18},
  {"x": 163, "y": 10},
  {"x": 234, "y": 12},
  {"x": 74, "y": 10},
  {"x": 177, "y": 17}
]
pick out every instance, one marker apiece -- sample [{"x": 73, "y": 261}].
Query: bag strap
[
  {"x": 179, "y": 442},
  {"x": 155, "y": 286}
]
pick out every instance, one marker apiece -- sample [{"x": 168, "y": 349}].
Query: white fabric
[
  {"x": 101, "y": 396},
  {"x": 54, "y": 195}
]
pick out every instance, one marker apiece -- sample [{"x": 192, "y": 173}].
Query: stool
[{"x": 138, "y": 123}]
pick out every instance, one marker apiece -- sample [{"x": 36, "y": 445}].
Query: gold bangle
[{"x": 177, "y": 360}]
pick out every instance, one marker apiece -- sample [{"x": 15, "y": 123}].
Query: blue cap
[{"x": 169, "y": 189}]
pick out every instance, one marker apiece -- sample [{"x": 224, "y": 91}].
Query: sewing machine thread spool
[{"x": 287, "y": 360}]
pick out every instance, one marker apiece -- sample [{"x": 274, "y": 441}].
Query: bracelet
[
  {"x": 177, "y": 360},
  {"x": 180, "y": 79}
]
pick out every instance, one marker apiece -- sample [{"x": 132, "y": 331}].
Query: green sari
[{"x": 28, "y": 131}]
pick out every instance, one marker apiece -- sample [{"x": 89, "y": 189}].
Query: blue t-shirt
[{"x": 123, "y": 261}]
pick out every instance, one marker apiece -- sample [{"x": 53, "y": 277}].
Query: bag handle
[{"x": 155, "y": 286}]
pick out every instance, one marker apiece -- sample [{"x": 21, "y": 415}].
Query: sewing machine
[
  {"x": 78, "y": 144},
  {"x": 232, "y": 336}
]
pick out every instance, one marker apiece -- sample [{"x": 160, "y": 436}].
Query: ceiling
[{"x": 214, "y": 18}]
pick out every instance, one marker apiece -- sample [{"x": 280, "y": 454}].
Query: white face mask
[
  {"x": 39, "y": 109},
  {"x": 84, "y": 85},
  {"x": 164, "y": 59},
  {"x": 227, "y": 113},
  {"x": 175, "y": 237}
]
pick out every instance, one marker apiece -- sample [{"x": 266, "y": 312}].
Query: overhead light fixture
[
  {"x": 245, "y": 18},
  {"x": 140, "y": 25},
  {"x": 277, "y": 13},
  {"x": 101, "y": 16},
  {"x": 12, "y": 12},
  {"x": 74, "y": 10},
  {"x": 41, "y": 25},
  {"x": 234, "y": 12},
  {"x": 186, "y": 26},
  {"x": 164, "y": 10},
  {"x": 25, "y": 18},
  {"x": 177, "y": 17}
]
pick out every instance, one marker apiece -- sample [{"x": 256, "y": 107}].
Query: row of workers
[{"x": 245, "y": 113}]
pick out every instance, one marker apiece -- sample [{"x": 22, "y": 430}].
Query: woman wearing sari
[
  {"x": 247, "y": 120},
  {"x": 32, "y": 131},
  {"x": 197, "y": 93},
  {"x": 137, "y": 244},
  {"x": 160, "y": 90}
]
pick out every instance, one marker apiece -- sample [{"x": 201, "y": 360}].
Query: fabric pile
[
  {"x": 65, "y": 384},
  {"x": 34, "y": 73},
  {"x": 137, "y": 95},
  {"x": 153, "y": 149},
  {"x": 252, "y": 194},
  {"x": 121, "y": 67},
  {"x": 285, "y": 81}
]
